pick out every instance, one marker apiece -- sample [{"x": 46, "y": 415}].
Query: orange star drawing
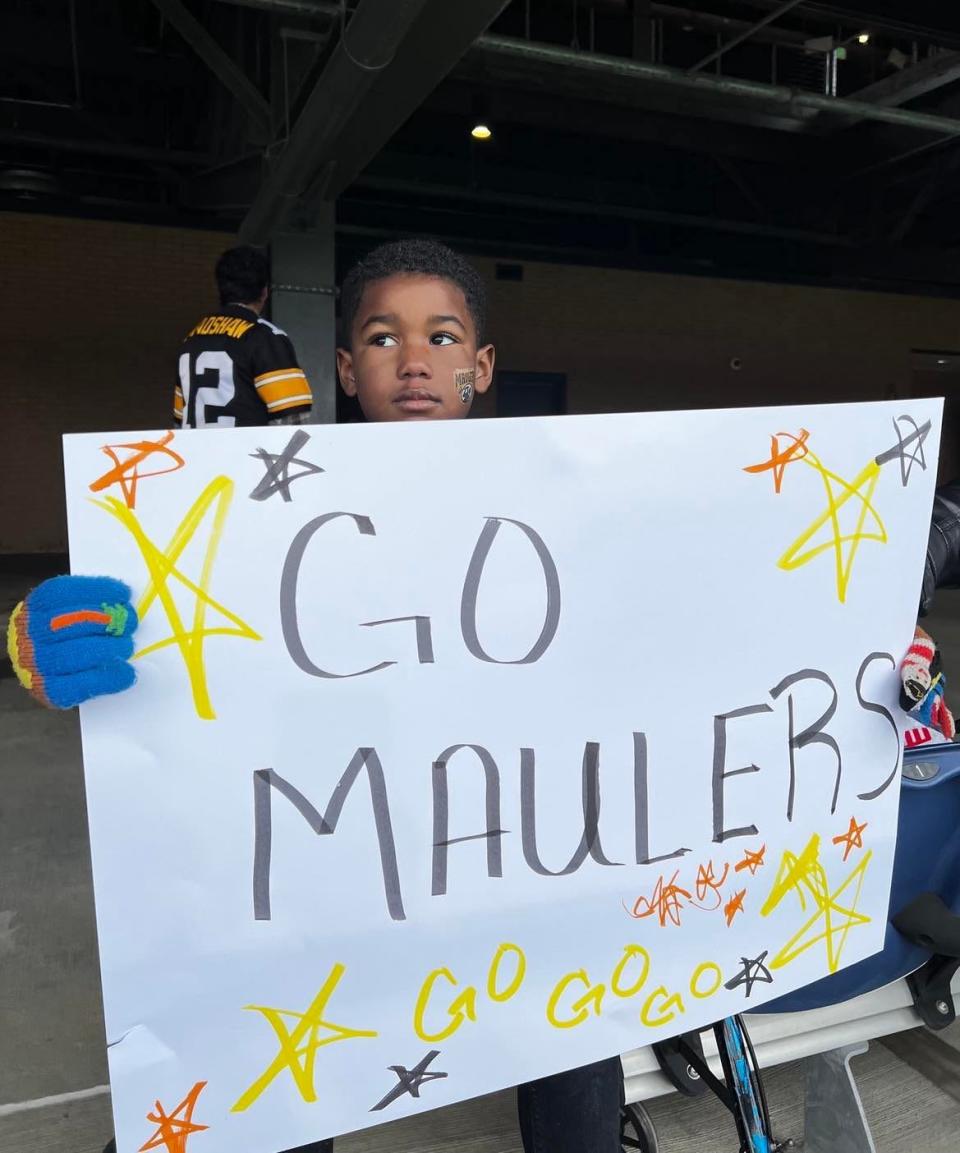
[
  {"x": 734, "y": 905},
  {"x": 852, "y": 838},
  {"x": 751, "y": 860},
  {"x": 172, "y": 1129},
  {"x": 126, "y": 473},
  {"x": 796, "y": 449}
]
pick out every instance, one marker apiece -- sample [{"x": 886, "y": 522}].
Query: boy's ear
[
  {"x": 486, "y": 357},
  {"x": 348, "y": 381}
]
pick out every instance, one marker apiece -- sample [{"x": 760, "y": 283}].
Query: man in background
[{"x": 236, "y": 369}]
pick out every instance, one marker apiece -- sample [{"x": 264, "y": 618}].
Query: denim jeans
[{"x": 573, "y": 1112}]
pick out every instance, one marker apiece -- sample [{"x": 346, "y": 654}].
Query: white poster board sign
[{"x": 465, "y": 753}]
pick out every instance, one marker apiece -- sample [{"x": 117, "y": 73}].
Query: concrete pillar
[{"x": 302, "y": 296}]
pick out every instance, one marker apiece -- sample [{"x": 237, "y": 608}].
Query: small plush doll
[
  {"x": 71, "y": 639},
  {"x": 923, "y": 685}
]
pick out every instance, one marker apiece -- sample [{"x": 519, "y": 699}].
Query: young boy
[{"x": 414, "y": 348}]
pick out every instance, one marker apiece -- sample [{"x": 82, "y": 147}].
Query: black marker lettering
[
  {"x": 441, "y": 816},
  {"x": 324, "y": 824},
  {"x": 721, "y": 773},
  {"x": 812, "y": 734},
  {"x": 288, "y": 595},
  {"x": 590, "y": 841},
  {"x": 641, "y": 805},
  {"x": 873, "y": 707},
  {"x": 471, "y": 589}
]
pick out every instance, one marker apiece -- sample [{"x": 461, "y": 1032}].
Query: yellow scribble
[
  {"x": 806, "y": 876},
  {"x": 161, "y": 565},
  {"x": 798, "y": 554},
  {"x": 298, "y": 1049}
]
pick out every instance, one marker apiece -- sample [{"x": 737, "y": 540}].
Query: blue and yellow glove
[{"x": 71, "y": 639}]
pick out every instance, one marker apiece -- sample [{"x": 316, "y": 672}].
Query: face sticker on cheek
[{"x": 463, "y": 379}]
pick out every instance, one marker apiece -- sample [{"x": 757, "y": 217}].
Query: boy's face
[{"x": 414, "y": 353}]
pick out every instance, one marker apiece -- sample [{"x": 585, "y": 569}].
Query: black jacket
[{"x": 942, "y": 569}]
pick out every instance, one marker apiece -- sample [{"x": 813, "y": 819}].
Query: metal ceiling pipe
[
  {"x": 367, "y": 46},
  {"x": 748, "y": 91},
  {"x": 328, "y": 8}
]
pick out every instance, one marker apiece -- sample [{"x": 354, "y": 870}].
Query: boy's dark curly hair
[
  {"x": 413, "y": 258},
  {"x": 242, "y": 274}
]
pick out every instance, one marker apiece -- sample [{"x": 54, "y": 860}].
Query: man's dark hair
[
  {"x": 413, "y": 258},
  {"x": 242, "y": 274}
]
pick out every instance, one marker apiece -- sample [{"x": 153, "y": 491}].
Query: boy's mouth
[{"x": 416, "y": 400}]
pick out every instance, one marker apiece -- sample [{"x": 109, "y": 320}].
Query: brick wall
[
  {"x": 92, "y": 313},
  {"x": 631, "y": 341}
]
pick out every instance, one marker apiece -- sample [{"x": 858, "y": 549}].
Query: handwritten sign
[{"x": 465, "y": 753}]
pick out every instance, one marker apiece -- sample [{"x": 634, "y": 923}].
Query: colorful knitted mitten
[
  {"x": 923, "y": 685},
  {"x": 71, "y": 639}
]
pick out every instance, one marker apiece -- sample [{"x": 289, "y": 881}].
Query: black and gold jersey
[{"x": 237, "y": 369}]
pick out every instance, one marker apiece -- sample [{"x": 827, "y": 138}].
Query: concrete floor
[{"x": 51, "y": 1029}]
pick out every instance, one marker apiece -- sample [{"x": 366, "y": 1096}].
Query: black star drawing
[
  {"x": 278, "y": 477},
  {"x": 754, "y": 971},
  {"x": 410, "y": 1080},
  {"x": 900, "y": 452}
]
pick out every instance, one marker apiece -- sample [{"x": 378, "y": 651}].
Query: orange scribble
[
  {"x": 852, "y": 838},
  {"x": 172, "y": 1129},
  {"x": 126, "y": 473},
  {"x": 734, "y": 905},
  {"x": 708, "y": 882},
  {"x": 65, "y": 620},
  {"x": 780, "y": 458},
  {"x": 665, "y": 902},
  {"x": 751, "y": 860}
]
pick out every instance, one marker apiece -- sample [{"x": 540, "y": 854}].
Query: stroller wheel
[{"x": 636, "y": 1129}]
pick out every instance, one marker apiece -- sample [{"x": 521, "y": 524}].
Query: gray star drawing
[
  {"x": 900, "y": 450},
  {"x": 278, "y": 477},
  {"x": 410, "y": 1080},
  {"x": 754, "y": 972}
]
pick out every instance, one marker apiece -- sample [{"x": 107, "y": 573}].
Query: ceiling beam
[
  {"x": 792, "y": 103},
  {"x": 892, "y": 91},
  {"x": 591, "y": 208},
  {"x": 220, "y": 63},
  {"x": 390, "y": 57},
  {"x": 114, "y": 148},
  {"x": 367, "y": 46},
  {"x": 442, "y": 33},
  {"x": 330, "y": 9},
  {"x": 745, "y": 35}
]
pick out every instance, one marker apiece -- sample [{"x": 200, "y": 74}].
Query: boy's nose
[{"x": 415, "y": 364}]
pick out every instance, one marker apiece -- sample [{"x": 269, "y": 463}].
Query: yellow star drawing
[
  {"x": 298, "y": 1048},
  {"x": 162, "y": 567},
  {"x": 843, "y": 544},
  {"x": 831, "y": 921}
]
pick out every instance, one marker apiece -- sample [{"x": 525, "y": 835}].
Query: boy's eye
[
  {"x": 383, "y": 340},
  {"x": 442, "y": 338}
]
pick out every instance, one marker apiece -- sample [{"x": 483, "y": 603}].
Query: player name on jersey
[{"x": 233, "y": 326}]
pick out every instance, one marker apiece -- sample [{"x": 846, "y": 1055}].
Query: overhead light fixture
[
  {"x": 943, "y": 360},
  {"x": 480, "y": 119},
  {"x": 863, "y": 38}
]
